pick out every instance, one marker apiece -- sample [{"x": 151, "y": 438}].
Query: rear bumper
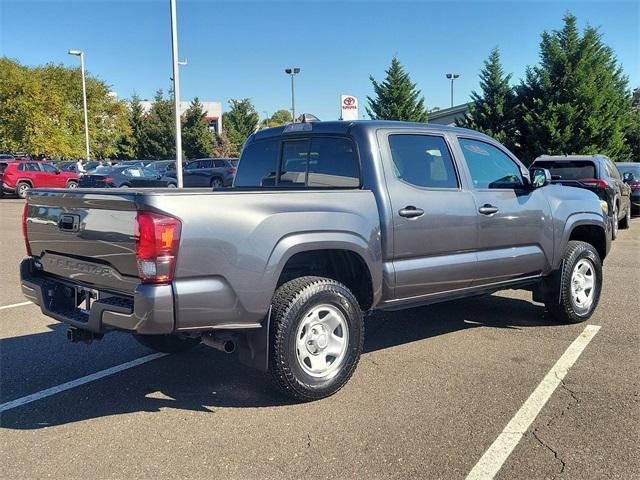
[
  {"x": 8, "y": 189},
  {"x": 148, "y": 310}
]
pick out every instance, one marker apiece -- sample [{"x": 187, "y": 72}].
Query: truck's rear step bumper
[{"x": 148, "y": 311}]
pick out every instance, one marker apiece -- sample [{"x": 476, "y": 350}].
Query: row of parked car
[{"x": 18, "y": 175}]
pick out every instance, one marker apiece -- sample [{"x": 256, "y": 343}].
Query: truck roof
[{"x": 340, "y": 127}]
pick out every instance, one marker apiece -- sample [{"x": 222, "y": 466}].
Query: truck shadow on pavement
[{"x": 205, "y": 380}]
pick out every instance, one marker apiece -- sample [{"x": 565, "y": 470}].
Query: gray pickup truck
[{"x": 325, "y": 222}]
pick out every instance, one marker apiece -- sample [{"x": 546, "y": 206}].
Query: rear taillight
[
  {"x": 25, "y": 213},
  {"x": 635, "y": 186},
  {"x": 157, "y": 241},
  {"x": 108, "y": 180},
  {"x": 232, "y": 170},
  {"x": 594, "y": 181}
]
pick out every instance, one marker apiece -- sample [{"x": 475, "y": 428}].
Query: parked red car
[{"x": 18, "y": 176}]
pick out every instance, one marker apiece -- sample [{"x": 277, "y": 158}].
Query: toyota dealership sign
[{"x": 349, "y": 107}]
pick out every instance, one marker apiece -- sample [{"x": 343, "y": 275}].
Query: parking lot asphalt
[{"x": 434, "y": 389}]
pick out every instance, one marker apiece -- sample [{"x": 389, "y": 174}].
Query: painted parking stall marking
[
  {"x": 14, "y": 305},
  {"x": 493, "y": 459},
  {"x": 18, "y": 402}
]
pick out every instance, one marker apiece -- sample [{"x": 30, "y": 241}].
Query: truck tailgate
[{"x": 85, "y": 237}]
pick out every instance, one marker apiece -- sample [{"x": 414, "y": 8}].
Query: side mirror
[{"x": 540, "y": 177}]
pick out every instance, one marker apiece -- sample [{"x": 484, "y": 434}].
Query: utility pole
[
  {"x": 452, "y": 77},
  {"x": 176, "y": 91},
  {"x": 79, "y": 53},
  {"x": 292, "y": 71}
]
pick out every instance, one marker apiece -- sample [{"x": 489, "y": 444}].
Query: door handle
[
  {"x": 487, "y": 209},
  {"x": 411, "y": 212}
]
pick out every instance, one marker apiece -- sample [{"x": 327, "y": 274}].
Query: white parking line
[
  {"x": 21, "y": 304},
  {"x": 18, "y": 402},
  {"x": 493, "y": 459}
]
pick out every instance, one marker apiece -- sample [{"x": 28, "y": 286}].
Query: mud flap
[
  {"x": 548, "y": 291},
  {"x": 253, "y": 346}
]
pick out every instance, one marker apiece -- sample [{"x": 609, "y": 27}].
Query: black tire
[
  {"x": 569, "y": 310},
  {"x": 626, "y": 221},
  {"x": 72, "y": 184},
  {"x": 291, "y": 305},
  {"x": 614, "y": 223},
  {"x": 21, "y": 189},
  {"x": 167, "y": 343},
  {"x": 217, "y": 182}
]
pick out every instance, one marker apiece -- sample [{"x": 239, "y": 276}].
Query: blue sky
[{"x": 239, "y": 49}]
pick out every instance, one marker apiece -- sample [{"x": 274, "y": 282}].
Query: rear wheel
[
  {"x": 580, "y": 284},
  {"x": 614, "y": 223},
  {"x": 316, "y": 337},
  {"x": 216, "y": 182},
  {"x": 22, "y": 188},
  {"x": 626, "y": 221},
  {"x": 172, "y": 185},
  {"x": 167, "y": 343}
]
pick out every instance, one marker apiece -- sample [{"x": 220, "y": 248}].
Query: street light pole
[
  {"x": 79, "y": 53},
  {"x": 266, "y": 118},
  {"x": 292, "y": 71},
  {"x": 452, "y": 77},
  {"x": 176, "y": 91}
]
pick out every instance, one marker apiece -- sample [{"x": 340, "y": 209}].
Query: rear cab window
[
  {"x": 316, "y": 162},
  {"x": 572, "y": 170}
]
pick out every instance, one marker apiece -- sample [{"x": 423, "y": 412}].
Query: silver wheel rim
[
  {"x": 73, "y": 185},
  {"x": 171, "y": 185},
  {"x": 216, "y": 183},
  {"x": 22, "y": 191},
  {"x": 583, "y": 279},
  {"x": 615, "y": 220},
  {"x": 322, "y": 339}
]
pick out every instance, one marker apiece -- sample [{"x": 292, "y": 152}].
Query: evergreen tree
[
  {"x": 239, "y": 122},
  {"x": 632, "y": 134},
  {"x": 397, "y": 98},
  {"x": 133, "y": 148},
  {"x": 197, "y": 139},
  {"x": 491, "y": 111},
  {"x": 158, "y": 135},
  {"x": 575, "y": 101}
]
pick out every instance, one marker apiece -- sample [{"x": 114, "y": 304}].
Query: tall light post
[
  {"x": 452, "y": 77},
  {"x": 79, "y": 53},
  {"x": 266, "y": 118},
  {"x": 176, "y": 92},
  {"x": 293, "y": 71}
]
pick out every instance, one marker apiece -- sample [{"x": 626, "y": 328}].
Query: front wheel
[
  {"x": 72, "y": 184},
  {"x": 580, "y": 284},
  {"x": 167, "y": 343},
  {"x": 316, "y": 337}
]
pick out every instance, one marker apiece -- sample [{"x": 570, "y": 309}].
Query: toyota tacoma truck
[{"x": 325, "y": 222}]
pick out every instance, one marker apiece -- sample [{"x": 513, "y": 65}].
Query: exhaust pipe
[{"x": 226, "y": 346}]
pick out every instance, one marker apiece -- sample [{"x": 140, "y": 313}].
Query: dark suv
[
  {"x": 208, "y": 172},
  {"x": 596, "y": 173}
]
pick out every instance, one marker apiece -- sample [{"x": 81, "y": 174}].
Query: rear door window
[
  {"x": 333, "y": 163},
  {"x": 423, "y": 160}
]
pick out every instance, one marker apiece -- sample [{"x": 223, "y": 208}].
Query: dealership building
[{"x": 212, "y": 112}]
